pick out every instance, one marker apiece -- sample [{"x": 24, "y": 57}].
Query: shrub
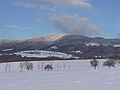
[
  {"x": 48, "y": 67},
  {"x": 109, "y": 63}
]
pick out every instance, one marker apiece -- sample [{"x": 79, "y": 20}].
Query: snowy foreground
[{"x": 67, "y": 75}]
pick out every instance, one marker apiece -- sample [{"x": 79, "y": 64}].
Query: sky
[{"x": 21, "y": 19}]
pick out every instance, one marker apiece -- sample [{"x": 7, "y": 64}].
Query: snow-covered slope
[
  {"x": 46, "y": 38},
  {"x": 42, "y": 54},
  {"x": 117, "y": 45},
  {"x": 7, "y": 49},
  {"x": 92, "y": 44},
  {"x": 66, "y": 75}
]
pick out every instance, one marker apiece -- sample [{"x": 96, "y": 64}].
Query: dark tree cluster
[{"x": 17, "y": 58}]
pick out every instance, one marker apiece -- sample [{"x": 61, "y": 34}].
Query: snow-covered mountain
[
  {"x": 4, "y": 41},
  {"x": 69, "y": 44},
  {"x": 46, "y": 38}
]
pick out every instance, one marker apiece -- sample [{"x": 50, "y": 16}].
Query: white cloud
[
  {"x": 73, "y": 24},
  {"x": 17, "y": 27},
  {"x": 11, "y": 26},
  {"x": 53, "y": 3}
]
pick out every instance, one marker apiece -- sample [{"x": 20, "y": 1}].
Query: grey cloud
[{"x": 73, "y": 24}]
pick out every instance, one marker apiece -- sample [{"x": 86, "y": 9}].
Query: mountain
[
  {"x": 77, "y": 45},
  {"x": 8, "y": 44},
  {"x": 32, "y": 43}
]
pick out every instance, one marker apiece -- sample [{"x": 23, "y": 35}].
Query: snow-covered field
[
  {"x": 66, "y": 75},
  {"x": 42, "y": 54}
]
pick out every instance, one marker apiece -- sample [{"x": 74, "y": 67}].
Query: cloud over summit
[{"x": 73, "y": 24}]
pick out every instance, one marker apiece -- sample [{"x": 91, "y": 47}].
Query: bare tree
[
  {"x": 42, "y": 66},
  {"x": 29, "y": 66},
  {"x": 21, "y": 66},
  {"x": 7, "y": 67},
  {"x": 64, "y": 66},
  {"x": 94, "y": 63},
  {"x": 69, "y": 67},
  {"x": 58, "y": 66},
  {"x": 38, "y": 66}
]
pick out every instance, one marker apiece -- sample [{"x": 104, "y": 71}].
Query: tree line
[{"x": 108, "y": 63}]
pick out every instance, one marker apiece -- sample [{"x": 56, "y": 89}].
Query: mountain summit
[{"x": 46, "y": 38}]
